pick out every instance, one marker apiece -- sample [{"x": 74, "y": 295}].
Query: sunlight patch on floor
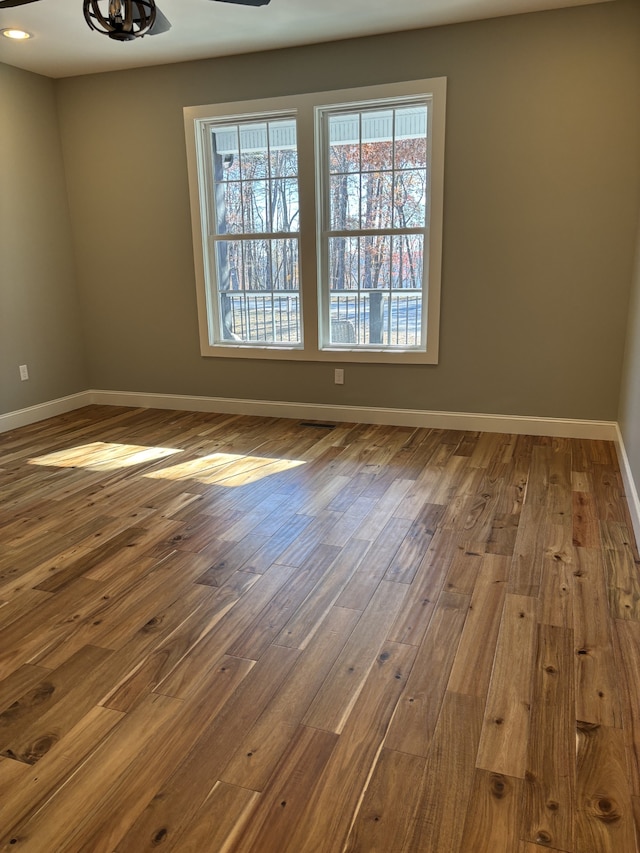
[
  {"x": 104, "y": 456},
  {"x": 228, "y": 469}
]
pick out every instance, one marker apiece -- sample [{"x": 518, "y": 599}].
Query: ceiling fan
[{"x": 125, "y": 20}]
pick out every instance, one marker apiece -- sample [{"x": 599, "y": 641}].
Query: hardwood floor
[{"x": 250, "y": 635}]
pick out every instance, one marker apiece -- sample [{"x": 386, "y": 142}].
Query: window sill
[{"x": 328, "y": 355}]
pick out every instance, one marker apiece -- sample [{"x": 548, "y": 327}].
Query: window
[
  {"x": 317, "y": 224},
  {"x": 253, "y": 177}
]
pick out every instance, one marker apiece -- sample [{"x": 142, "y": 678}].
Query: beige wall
[
  {"x": 629, "y": 416},
  {"x": 39, "y": 309},
  {"x": 541, "y": 185}
]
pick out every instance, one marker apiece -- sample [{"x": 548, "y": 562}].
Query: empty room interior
[{"x": 320, "y": 427}]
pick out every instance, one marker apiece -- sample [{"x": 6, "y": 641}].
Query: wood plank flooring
[{"x": 225, "y": 634}]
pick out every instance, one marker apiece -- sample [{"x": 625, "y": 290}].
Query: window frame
[{"x": 307, "y": 109}]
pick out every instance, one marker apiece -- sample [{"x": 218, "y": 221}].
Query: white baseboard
[
  {"x": 630, "y": 488},
  {"x": 557, "y": 427},
  {"x": 33, "y": 414}
]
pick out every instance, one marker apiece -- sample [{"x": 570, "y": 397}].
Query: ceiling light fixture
[
  {"x": 17, "y": 35},
  {"x": 122, "y": 20}
]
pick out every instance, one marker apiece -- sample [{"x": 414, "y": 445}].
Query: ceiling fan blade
[
  {"x": 10, "y": 4},
  {"x": 161, "y": 24},
  {"x": 247, "y": 2}
]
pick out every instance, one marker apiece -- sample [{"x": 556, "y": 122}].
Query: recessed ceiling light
[{"x": 19, "y": 35}]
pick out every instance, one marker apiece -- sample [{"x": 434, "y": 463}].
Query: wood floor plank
[
  {"x": 185, "y": 677},
  {"x": 219, "y": 822},
  {"x": 338, "y": 570},
  {"x": 557, "y": 591},
  {"x": 604, "y": 820},
  {"x": 359, "y": 589},
  {"x": 119, "y": 620},
  {"x": 505, "y": 728},
  {"x": 530, "y": 545},
  {"x": 144, "y": 775},
  {"x": 283, "y": 804},
  {"x": 21, "y": 604},
  {"x": 48, "y": 624},
  {"x": 586, "y": 528},
  {"x": 414, "y": 617},
  {"x": 36, "y": 721},
  {"x": 464, "y": 564},
  {"x": 19, "y": 682},
  {"x": 417, "y": 713},
  {"x": 326, "y": 819},
  {"x": 492, "y": 818},
  {"x": 409, "y": 555},
  {"x": 59, "y": 824},
  {"x": 263, "y": 745},
  {"x": 179, "y": 796},
  {"x": 333, "y": 702},
  {"x": 627, "y": 635},
  {"x": 597, "y": 698},
  {"x": 623, "y": 582},
  {"x": 37, "y": 783},
  {"x": 383, "y": 510},
  {"x": 549, "y": 787},
  {"x": 438, "y": 823},
  {"x": 473, "y": 664},
  {"x": 385, "y": 817}
]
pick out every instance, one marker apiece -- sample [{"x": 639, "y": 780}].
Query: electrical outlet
[
  {"x": 24, "y": 372},
  {"x": 338, "y": 376}
]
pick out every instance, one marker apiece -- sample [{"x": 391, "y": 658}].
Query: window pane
[
  {"x": 255, "y": 205},
  {"x": 411, "y": 137},
  {"x": 229, "y": 265},
  {"x": 377, "y": 197},
  {"x": 344, "y": 202},
  {"x": 228, "y": 198},
  {"x": 284, "y": 264},
  {"x": 344, "y": 158},
  {"x": 285, "y": 205},
  {"x": 255, "y": 177},
  {"x": 254, "y": 160},
  {"x": 226, "y": 153},
  {"x": 409, "y": 198},
  {"x": 375, "y": 262},
  {"x": 344, "y": 143},
  {"x": 282, "y": 148},
  {"x": 405, "y": 320},
  {"x": 377, "y": 140},
  {"x": 344, "y": 312},
  {"x": 376, "y": 319},
  {"x": 259, "y": 298},
  {"x": 256, "y": 255},
  {"x": 358, "y": 318},
  {"x": 407, "y": 261},
  {"x": 343, "y": 263}
]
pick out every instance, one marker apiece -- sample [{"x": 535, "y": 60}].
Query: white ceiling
[{"x": 62, "y": 44}]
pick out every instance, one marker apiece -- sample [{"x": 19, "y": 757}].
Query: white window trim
[{"x": 305, "y": 108}]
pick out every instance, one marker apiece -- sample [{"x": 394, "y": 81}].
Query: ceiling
[{"x": 63, "y": 46}]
